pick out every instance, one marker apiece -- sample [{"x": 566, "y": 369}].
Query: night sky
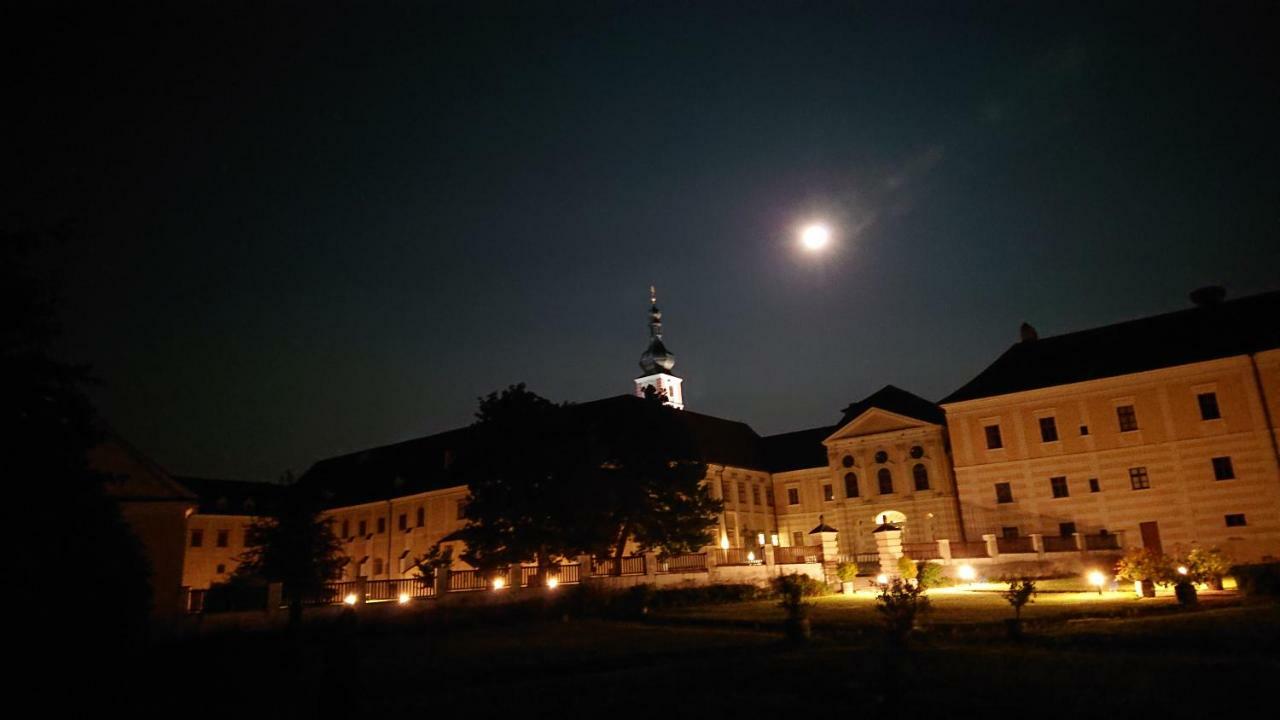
[{"x": 298, "y": 232}]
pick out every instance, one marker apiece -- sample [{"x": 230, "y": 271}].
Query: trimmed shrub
[
  {"x": 900, "y": 603},
  {"x": 1258, "y": 579},
  {"x": 847, "y": 571},
  {"x": 929, "y": 574},
  {"x": 906, "y": 568}
]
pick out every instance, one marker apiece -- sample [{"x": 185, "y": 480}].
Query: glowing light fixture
[
  {"x": 773, "y": 539},
  {"x": 815, "y": 237},
  {"x": 1097, "y": 579},
  {"x": 967, "y": 573},
  {"x": 1182, "y": 569},
  {"x": 724, "y": 543},
  {"x": 751, "y": 557},
  {"x": 351, "y": 599},
  {"x": 553, "y": 583},
  {"x": 760, "y": 539},
  {"x": 499, "y": 583},
  {"x": 404, "y": 598},
  {"x": 882, "y": 579}
]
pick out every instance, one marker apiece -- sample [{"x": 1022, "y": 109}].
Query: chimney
[
  {"x": 1028, "y": 333},
  {"x": 1208, "y": 296}
]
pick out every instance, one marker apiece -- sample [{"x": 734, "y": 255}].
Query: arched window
[
  {"x": 850, "y": 485},
  {"x": 921, "y": 476},
  {"x": 886, "y": 481}
]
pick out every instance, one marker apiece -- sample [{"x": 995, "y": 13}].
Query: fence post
[
  {"x": 650, "y": 564},
  {"x": 362, "y": 589},
  {"x": 1037, "y": 543},
  {"x": 993, "y": 548},
  {"x": 585, "y": 567},
  {"x": 442, "y": 580},
  {"x": 1079, "y": 541},
  {"x": 944, "y": 550},
  {"x": 769, "y": 556}
]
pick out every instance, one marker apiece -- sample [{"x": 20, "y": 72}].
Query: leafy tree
[
  {"x": 294, "y": 545},
  {"x": 793, "y": 589},
  {"x": 1207, "y": 566},
  {"x": 906, "y": 568},
  {"x": 1147, "y": 567},
  {"x": 1020, "y": 592},
  {"x": 526, "y": 468},
  {"x": 432, "y": 561},
  {"x": 900, "y": 604},
  {"x": 648, "y": 486},
  {"x": 928, "y": 574}
]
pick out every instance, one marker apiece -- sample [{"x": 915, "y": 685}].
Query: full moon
[{"x": 815, "y": 237}]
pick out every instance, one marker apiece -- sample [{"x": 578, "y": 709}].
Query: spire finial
[{"x": 653, "y": 295}]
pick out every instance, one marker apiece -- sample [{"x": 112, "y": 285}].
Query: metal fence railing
[
  {"x": 922, "y": 551},
  {"x": 1015, "y": 545},
  {"x": 797, "y": 554},
  {"x": 466, "y": 581},
  {"x": 1102, "y": 542},
  {"x": 1055, "y": 543},
  {"x": 695, "y": 562},
  {"x": 977, "y": 549}
]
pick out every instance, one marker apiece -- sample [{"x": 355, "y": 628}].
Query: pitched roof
[
  {"x": 134, "y": 477},
  {"x": 797, "y": 450},
  {"x": 233, "y": 497},
  {"x": 895, "y": 400},
  {"x": 424, "y": 464},
  {"x": 1226, "y": 329}
]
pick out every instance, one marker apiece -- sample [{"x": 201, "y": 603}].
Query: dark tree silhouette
[
  {"x": 648, "y": 489},
  {"x": 293, "y": 545},
  {"x": 523, "y": 468}
]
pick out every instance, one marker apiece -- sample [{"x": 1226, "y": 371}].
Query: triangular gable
[{"x": 875, "y": 421}]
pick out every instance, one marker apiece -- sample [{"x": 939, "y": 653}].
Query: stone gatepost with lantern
[
  {"x": 827, "y": 539},
  {"x": 889, "y": 545}
]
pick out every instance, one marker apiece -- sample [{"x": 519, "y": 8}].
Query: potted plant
[{"x": 847, "y": 571}]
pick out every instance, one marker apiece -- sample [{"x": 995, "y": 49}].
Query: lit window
[
  {"x": 1222, "y": 469},
  {"x": 1208, "y": 406},
  {"x": 885, "y": 479},
  {"x": 828, "y": 493},
  {"x": 1236, "y": 520},
  {"x": 1127, "y": 418},
  {"x": 920, "y": 474},
  {"x": 1059, "y": 487},
  {"x": 994, "y": 441},
  {"x": 850, "y": 485},
  {"x": 1139, "y": 479},
  {"x": 1004, "y": 493}
]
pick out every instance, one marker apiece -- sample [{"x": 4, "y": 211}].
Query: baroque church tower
[{"x": 657, "y": 361}]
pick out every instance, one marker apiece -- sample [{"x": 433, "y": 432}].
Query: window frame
[
  {"x": 882, "y": 475},
  {"x": 1139, "y": 478},
  {"x": 1127, "y": 418},
  {"x": 851, "y": 480},
  {"x": 1059, "y": 483},
  {"x": 1004, "y": 493},
  {"x": 1051, "y": 427},
  {"x": 1212, "y": 405},
  {"x": 920, "y": 473},
  {"x": 1223, "y": 468},
  {"x": 998, "y": 436}
]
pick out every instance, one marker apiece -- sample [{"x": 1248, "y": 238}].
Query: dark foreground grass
[{"x": 1176, "y": 664}]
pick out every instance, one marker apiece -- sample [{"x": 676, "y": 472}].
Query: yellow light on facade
[
  {"x": 351, "y": 599},
  {"x": 1182, "y": 569},
  {"x": 760, "y": 539},
  {"x": 724, "y": 543},
  {"x": 1097, "y": 578},
  {"x": 751, "y": 557},
  {"x": 553, "y": 583},
  {"x": 404, "y": 598},
  {"x": 967, "y": 573},
  {"x": 773, "y": 539},
  {"x": 882, "y": 579},
  {"x": 499, "y": 583}
]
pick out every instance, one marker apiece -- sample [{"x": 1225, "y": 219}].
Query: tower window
[
  {"x": 921, "y": 476},
  {"x": 994, "y": 441},
  {"x": 885, "y": 480},
  {"x": 1048, "y": 429},
  {"x": 1208, "y": 406},
  {"x": 850, "y": 485},
  {"x": 1222, "y": 469},
  {"x": 1059, "y": 487},
  {"x": 1139, "y": 479},
  {"x": 1127, "y": 418},
  {"x": 1004, "y": 493}
]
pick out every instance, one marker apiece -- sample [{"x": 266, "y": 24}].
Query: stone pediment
[{"x": 874, "y": 422}]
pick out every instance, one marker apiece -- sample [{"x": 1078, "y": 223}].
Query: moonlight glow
[{"x": 815, "y": 237}]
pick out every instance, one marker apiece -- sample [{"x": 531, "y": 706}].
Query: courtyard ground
[{"x": 1157, "y": 661}]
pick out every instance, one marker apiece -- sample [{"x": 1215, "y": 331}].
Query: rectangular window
[
  {"x": 422, "y": 516},
  {"x": 742, "y": 493},
  {"x": 755, "y": 494},
  {"x": 1236, "y": 520},
  {"x": 223, "y": 537},
  {"x": 346, "y": 528},
  {"x": 1127, "y": 418},
  {"x": 1138, "y": 478},
  {"x": 1009, "y": 531},
  {"x": 768, "y": 496},
  {"x": 1094, "y": 486},
  {"x": 994, "y": 441},
  {"x": 462, "y": 510},
  {"x": 1222, "y": 469},
  {"x": 850, "y": 485},
  {"x": 1004, "y": 493},
  {"x": 1048, "y": 429},
  {"x": 364, "y": 528},
  {"x": 382, "y": 525},
  {"x": 197, "y": 538},
  {"x": 793, "y": 496},
  {"x": 1084, "y": 429},
  {"x": 1066, "y": 529},
  {"x": 1059, "y": 487},
  {"x": 828, "y": 493},
  {"x": 1208, "y": 406},
  {"x": 403, "y": 521},
  {"x": 377, "y": 566},
  {"x": 726, "y": 493},
  {"x": 797, "y": 539}
]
